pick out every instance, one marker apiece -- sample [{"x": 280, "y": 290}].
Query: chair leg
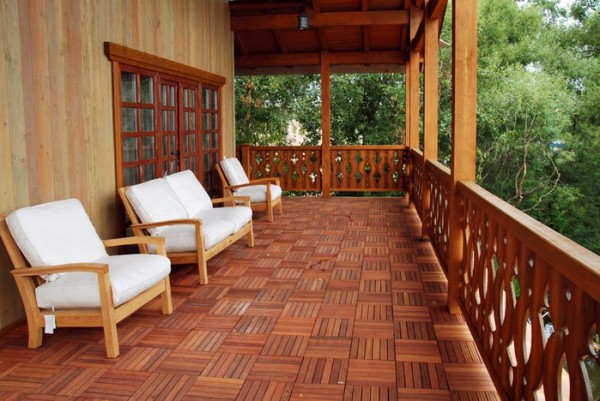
[
  {"x": 270, "y": 211},
  {"x": 280, "y": 206},
  {"x": 167, "y": 301},
  {"x": 110, "y": 332},
  {"x": 202, "y": 270},
  {"x": 35, "y": 333},
  {"x": 251, "y": 237}
]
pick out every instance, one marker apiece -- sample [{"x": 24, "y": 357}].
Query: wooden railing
[
  {"x": 352, "y": 168},
  {"x": 368, "y": 168},
  {"x": 416, "y": 172},
  {"x": 438, "y": 177},
  {"x": 298, "y": 167},
  {"x": 531, "y": 298}
]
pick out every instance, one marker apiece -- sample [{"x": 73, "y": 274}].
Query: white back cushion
[
  {"x": 55, "y": 233},
  {"x": 233, "y": 170},
  {"x": 155, "y": 201},
  {"x": 190, "y": 192}
]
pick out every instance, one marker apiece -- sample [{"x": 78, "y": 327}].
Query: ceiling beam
[
  {"x": 307, "y": 59},
  {"x": 318, "y": 20},
  {"x": 234, "y": 5},
  {"x": 366, "y": 30},
  {"x": 436, "y": 8}
]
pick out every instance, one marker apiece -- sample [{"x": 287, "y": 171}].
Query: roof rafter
[
  {"x": 303, "y": 59},
  {"x": 318, "y": 20}
]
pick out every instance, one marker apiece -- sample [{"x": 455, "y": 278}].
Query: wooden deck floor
[{"x": 338, "y": 300}]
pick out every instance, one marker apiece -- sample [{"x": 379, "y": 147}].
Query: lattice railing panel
[
  {"x": 439, "y": 210},
  {"x": 368, "y": 168},
  {"x": 531, "y": 297},
  {"x": 416, "y": 180},
  {"x": 298, "y": 168}
]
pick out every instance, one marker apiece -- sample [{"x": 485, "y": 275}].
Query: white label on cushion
[{"x": 50, "y": 325}]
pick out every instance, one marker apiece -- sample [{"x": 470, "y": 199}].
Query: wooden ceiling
[{"x": 359, "y": 35}]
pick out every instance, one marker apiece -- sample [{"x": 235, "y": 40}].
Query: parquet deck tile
[
  {"x": 243, "y": 343},
  {"x": 332, "y": 347},
  {"x": 202, "y": 340},
  {"x": 317, "y": 392},
  {"x": 338, "y": 300},
  {"x": 265, "y": 390},
  {"x": 276, "y": 368},
  {"x": 366, "y": 372},
  {"x": 294, "y": 326},
  {"x": 214, "y": 389},
  {"x": 381, "y": 349},
  {"x": 332, "y": 327}
]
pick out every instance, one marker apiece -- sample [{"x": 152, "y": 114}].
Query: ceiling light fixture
[{"x": 302, "y": 21}]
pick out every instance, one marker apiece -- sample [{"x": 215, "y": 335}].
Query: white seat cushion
[
  {"x": 129, "y": 276},
  {"x": 155, "y": 201},
  {"x": 182, "y": 238},
  {"x": 55, "y": 233},
  {"x": 239, "y": 216},
  {"x": 233, "y": 170},
  {"x": 258, "y": 193},
  {"x": 190, "y": 192}
]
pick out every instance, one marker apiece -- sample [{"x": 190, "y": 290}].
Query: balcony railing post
[{"x": 246, "y": 159}]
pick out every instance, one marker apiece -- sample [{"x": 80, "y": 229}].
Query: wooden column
[
  {"x": 326, "y": 123},
  {"x": 464, "y": 129},
  {"x": 412, "y": 84},
  {"x": 412, "y": 95},
  {"x": 430, "y": 110}
]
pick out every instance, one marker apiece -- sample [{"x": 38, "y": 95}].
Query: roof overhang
[{"x": 357, "y": 35}]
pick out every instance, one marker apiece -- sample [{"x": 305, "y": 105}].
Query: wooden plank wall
[{"x": 56, "y": 130}]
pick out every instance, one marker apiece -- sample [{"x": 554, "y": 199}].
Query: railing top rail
[
  {"x": 417, "y": 151},
  {"x": 576, "y": 263},
  {"x": 436, "y": 165},
  {"x": 367, "y": 147},
  {"x": 284, "y": 147}
]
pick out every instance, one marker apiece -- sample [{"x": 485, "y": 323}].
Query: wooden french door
[{"x": 167, "y": 125}]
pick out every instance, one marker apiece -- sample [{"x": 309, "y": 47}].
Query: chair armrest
[
  {"x": 258, "y": 181},
  {"x": 159, "y": 242},
  {"x": 244, "y": 199},
  {"x": 66, "y": 268},
  {"x": 266, "y": 180},
  {"x": 167, "y": 223}
]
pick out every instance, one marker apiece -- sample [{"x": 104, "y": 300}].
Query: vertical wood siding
[{"x": 56, "y": 128}]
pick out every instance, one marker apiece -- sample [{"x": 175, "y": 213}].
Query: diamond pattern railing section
[
  {"x": 439, "y": 212},
  {"x": 352, "y": 169}
]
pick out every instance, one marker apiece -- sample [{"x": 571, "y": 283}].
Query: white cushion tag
[{"x": 50, "y": 321}]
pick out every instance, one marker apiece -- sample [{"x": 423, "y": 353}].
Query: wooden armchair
[
  {"x": 264, "y": 193},
  {"x": 72, "y": 281},
  {"x": 178, "y": 208}
]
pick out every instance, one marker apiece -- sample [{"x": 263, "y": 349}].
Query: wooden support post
[
  {"x": 246, "y": 159},
  {"x": 412, "y": 92},
  {"x": 464, "y": 129},
  {"x": 412, "y": 84},
  {"x": 430, "y": 112},
  {"x": 326, "y": 123}
]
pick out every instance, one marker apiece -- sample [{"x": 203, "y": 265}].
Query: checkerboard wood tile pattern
[{"x": 338, "y": 300}]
